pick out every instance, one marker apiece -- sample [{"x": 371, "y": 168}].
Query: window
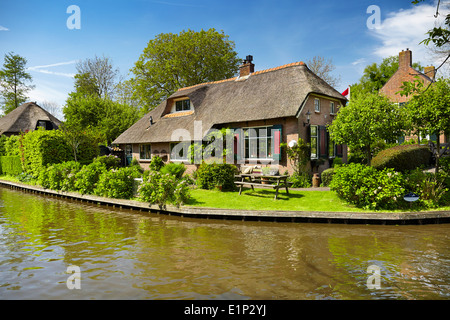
[
  {"x": 182, "y": 105},
  {"x": 145, "y": 152},
  {"x": 180, "y": 151},
  {"x": 317, "y": 105},
  {"x": 258, "y": 143},
  {"x": 332, "y": 108},
  {"x": 314, "y": 142},
  {"x": 331, "y": 149}
]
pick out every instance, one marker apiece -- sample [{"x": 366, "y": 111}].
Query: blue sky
[{"x": 274, "y": 32}]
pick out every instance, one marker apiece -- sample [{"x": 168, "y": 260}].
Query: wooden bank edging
[{"x": 395, "y": 218}]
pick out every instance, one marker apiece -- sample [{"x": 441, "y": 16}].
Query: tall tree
[
  {"x": 324, "y": 69},
  {"x": 429, "y": 111},
  {"x": 97, "y": 76},
  {"x": 171, "y": 61},
  {"x": 107, "y": 117},
  {"x": 13, "y": 78},
  {"x": 376, "y": 75},
  {"x": 366, "y": 120}
]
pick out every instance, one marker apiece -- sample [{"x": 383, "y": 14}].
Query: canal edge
[{"x": 380, "y": 218}]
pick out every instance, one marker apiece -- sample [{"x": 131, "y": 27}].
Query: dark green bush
[
  {"x": 175, "y": 169},
  {"x": 366, "y": 187},
  {"x": 327, "y": 176},
  {"x": 431, "y": 190},
  {"x": 161, "y": 189},
  {"x": 300, "y": 180},
  {"x": 110, "y": 161},
  {"x": 88, "y": 176},
  {"x": 156, "y": 163},
  {"x": 59, "y": 176},
  {"x": 117, "y": 183},
  {"x": 211, "y": 175},
  {"x": 403, "y": 158},
  {"x": 10, "y": 165}
]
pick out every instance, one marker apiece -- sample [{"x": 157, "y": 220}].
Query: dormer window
[{"x": 182, "y": 105}]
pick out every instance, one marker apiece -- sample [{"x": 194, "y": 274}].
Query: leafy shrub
[
  {"x": 176, "y": 169},
  {"x": 12, "y": 145},
  {"x": 87, "y": 178},
  {"x": 431, "y": 190},
  {"x": 10, "y": 165},
  {"x": 367, "y": 187},
  {"x": 156, "y": 163},
  {"x": 160, "y": 189},
  {"x": 211, "y": 175},
  {"x": 403, "y": 158},
  {"x": 117, "y": 183},
  {"x": 60, "y": 176},
  {"x": 337, "y": 162},
  {"x": 444, "y": 170},
  {"x": 300, "y": 180},
  {"x": 110, "y": 161},
  {"x": 327, "y": 176}
]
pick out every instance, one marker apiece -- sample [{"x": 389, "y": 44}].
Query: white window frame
[
  {"x": 174, "y": 106},
  {"x": 251, "y": 140},
  {"x": 332, "y": 107},
  {"x": 316, "y": 104},
  {"x": 146, "y": 152},
  {"x": 175, "y": 157},
  {"x": 316, "y": 145}
]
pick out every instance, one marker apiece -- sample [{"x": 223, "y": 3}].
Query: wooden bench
[{"x": 278, "y": 181}]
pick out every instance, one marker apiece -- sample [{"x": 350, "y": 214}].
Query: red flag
[{"x": 345, "y": 93}]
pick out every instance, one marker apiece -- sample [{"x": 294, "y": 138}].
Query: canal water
[{"x": 121, "y": 254}]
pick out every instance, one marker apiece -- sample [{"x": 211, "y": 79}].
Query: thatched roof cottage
[
  {"x": 263, "y": 108},
  {"x": 27, "y": 117}
]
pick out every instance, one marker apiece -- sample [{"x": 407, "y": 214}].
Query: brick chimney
[
  {"x": 247, "y": 67},
  {"x": 405, "y": 59},
  {"x": 430, "y": 72}
]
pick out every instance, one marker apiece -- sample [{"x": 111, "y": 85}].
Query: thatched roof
[
  {"x": 25, "y": 118},
  {"x": 267, "y": 94}
]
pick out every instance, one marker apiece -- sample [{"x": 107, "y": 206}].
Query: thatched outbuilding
[
  {"x": 264, "y": 108},
  {"x": 27, "y": 117}
]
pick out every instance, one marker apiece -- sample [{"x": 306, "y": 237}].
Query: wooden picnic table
[{"x": 273, "y": 181}]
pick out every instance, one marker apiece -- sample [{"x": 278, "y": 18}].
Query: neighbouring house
[
  {"x": 263, "y": 108},
  {"x": 406, "y": 73},
  {"x": 27, "y": 117}
]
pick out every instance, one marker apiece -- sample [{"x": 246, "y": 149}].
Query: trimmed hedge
[
  {"x": 10, "y": 165},
  {"x": 45, "y": 147},
  {"x": 403, "y": 158}
]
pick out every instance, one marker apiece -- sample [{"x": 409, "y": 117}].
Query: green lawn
[{"x": 263, "y": 199}]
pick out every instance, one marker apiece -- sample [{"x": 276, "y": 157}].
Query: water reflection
[{"x": 127, "y": 255}]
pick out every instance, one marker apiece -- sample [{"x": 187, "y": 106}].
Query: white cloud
[
  {"x": 406, "y": 29},
  {"x": 2, "y": 28},
  {"x": 46, "y": 71},
  {"x": 359, "y": 61}
]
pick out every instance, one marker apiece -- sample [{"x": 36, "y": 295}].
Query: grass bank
[{"x": 263, "y": 199}]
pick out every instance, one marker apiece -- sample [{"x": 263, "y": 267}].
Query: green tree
[
  {"x": 105, "y": 116},
  {"x": 13, "y": 78},
  {"x": 97, "y": 76},
  {"x": 376, "y": 75},
  {"x": 171, "y": 61},
  {"x": 366, "y": 120},
  {"x": 429, "y": 110}
]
